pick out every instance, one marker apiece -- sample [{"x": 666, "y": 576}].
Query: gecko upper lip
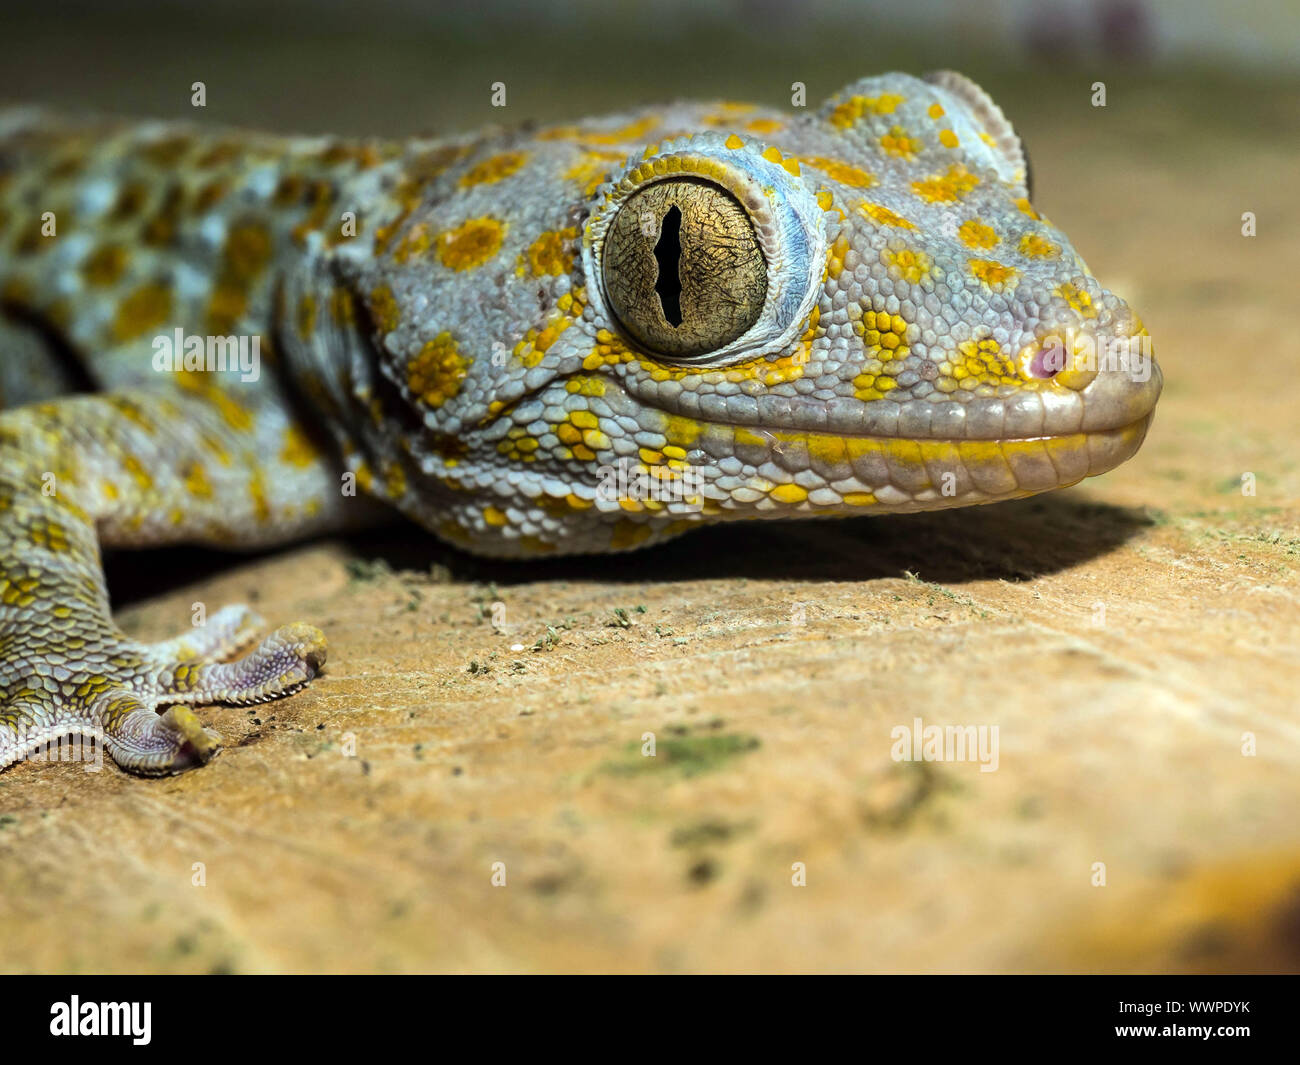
[{"x": 1112, "y": 400}]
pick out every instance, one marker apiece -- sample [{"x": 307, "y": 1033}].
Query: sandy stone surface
[{"x": 1129, "y": 638}]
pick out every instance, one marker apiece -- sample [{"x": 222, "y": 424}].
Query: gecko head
[
  {"x": 865, "y": 309},
  {"x": 853, "y": 310}
]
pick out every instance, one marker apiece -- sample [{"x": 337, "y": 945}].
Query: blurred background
[{"x": 395, "y": 66}]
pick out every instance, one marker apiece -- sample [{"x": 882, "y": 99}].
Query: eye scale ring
[
  {"x": 683, "y": 268},
  {"x": 781, "y": 217}
]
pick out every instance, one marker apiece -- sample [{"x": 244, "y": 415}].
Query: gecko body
[{"x": 580, "y": 338}]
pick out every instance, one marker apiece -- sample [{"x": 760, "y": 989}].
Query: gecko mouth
[
  {"x": 897, "y": 473},
  {"x": 832, "y": 456},
  {"x": 1113, "y": 400}
]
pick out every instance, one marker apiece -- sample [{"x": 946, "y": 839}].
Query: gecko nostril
[
  {"x": 1067, "y": 361},
  {"x": 1043, "y": 359},
  {"x": 1041, "y": 366}
]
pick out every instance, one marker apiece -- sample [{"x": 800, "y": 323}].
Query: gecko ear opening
[{"x": 1006, "y": 142}]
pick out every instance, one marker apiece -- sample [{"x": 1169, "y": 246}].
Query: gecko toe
[
  {"x": 152, "y": 744},
  {"x": 282, "y": 663}
]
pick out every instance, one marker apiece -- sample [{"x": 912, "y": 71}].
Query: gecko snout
[{"x": 1109, "y": 379}]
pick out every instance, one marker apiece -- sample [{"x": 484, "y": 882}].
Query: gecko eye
[
  {"x": 683, "y": 269},
  {"x": 705, "y": 251}
]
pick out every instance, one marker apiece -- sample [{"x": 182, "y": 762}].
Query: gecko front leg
[{"x": 138, "y": 468}]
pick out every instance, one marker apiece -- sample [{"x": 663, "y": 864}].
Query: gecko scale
[{"x": 852, "y": 310}]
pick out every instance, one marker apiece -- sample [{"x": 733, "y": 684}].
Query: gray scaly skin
[{"x": 851, "y": 310}]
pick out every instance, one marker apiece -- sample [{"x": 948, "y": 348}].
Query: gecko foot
[{"x": 132, "y": 695}]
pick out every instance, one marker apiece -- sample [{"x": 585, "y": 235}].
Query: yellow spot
[
  {"x": 342, "y": 309},
  {"x": 394, "y": 480},
  {"x": 365, "y": 476},
  {"x": 536, "y": 343},
  {"x": 518, "y": 445},
  {"x": 298, "y": 449},
  {"x": 146, "y": 308},
  {"x": 384, "y": 234},
  {"x": 167, "y": 151},
  {"x": 1034, "y": 246},
  {"x": 257, "y": 493},
  {"x": 946, "y": 188},
  {"x": 138, "y": 473},
  {"x": 846, "y": 174},
  {"x": 49, "y": 535},
  {"x": 550, "y": 253},
  {"x": 585, "y": 386},
  {"x": 733, "y": 142},
  {"x": 847, "y": 113},
  {"x": 290, "y": 190},
  {"x": 435, "y": 374},
  {"x": 682, "y": 431},
  {"x": 975, "y": 234},
  {"x": 196, "y": 481},
  {"x": 773, "y": 155},
  {"x": 471, "y": 244},
  {"x": 992, "y": 273},
  {"x": 307, "y": 316},
  {"x": 206, "y": 385},
  {"x": 247, "y": 251},
  {"x": 416, "y": 242},
  {"x": 789, "y": 493},
  {"x": 225, "y": 307},
  {"x": 593, "y": 170},
  {"x": 132, "y": 411},
  {"x": 1027, "y": 208},
  {"x": 384, "y": 309},
  {"x": 911, "y": 265},
  {"x": 884, "y": 337},
  {"x": 935, "y": 111},
  {"x": 1078, "y": 298},
  {"x": 948, "y": 138},
  {"x": 420, "y": 170},
  {"x": 884, "y": 216},
  {"x": 634, "y": 131},
  {"x": 209, "y": 196},
  {"x": 104, "y": 266},
  {"x": 494, "y": 169},
  {"x": 764, "y": 125},
  {"x": 977, "y": 363},
  {"x": 494, "y": 517},
  {"x": 898, "y": 142}
]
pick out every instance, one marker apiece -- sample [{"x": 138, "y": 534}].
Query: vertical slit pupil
[{"x": 668, "y": 253}]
